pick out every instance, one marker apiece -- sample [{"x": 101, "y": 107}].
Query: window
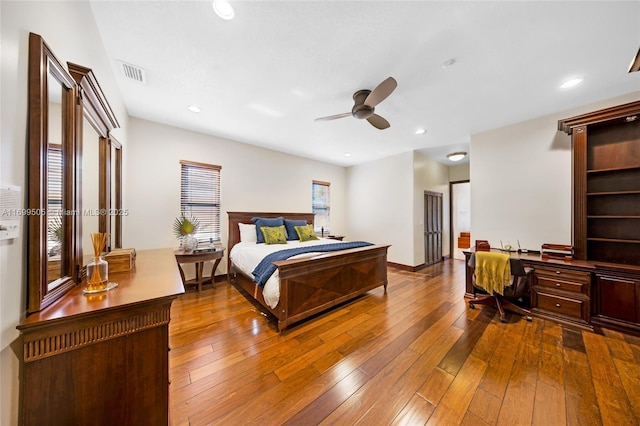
[
  {"x": 54, "y": 199},
  {"x": 200, "y": 198},
  {"x": 320, "y": 201}
]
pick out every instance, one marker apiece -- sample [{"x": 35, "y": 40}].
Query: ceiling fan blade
[
  {"x": 381, "y": 92},
  {"x": 333, "y": 117},
  {"x": 378, "y": 122}
]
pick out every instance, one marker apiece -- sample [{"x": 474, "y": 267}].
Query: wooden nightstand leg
[
  {"x": 213, "y": 272},
  {"x": 199, "y": 267}
]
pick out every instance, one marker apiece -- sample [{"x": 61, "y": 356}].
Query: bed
[{"x": 314, "y": 283}]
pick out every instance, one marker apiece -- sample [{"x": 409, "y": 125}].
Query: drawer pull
[
  {"x": 557, "y": 305},
  {"x": 558, "y": 272},
  {"x": 557, "y": 284}
]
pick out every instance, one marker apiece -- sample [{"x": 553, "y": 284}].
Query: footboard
[{"x": 312, "y": 285}]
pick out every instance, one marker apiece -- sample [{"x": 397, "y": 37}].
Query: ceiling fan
[{"x": 365, "y": 103}]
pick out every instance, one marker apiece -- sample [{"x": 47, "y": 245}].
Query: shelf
[
  {"x": 613, "y": 169},
  {"x": 614, "y": 240},
  {"x": 612, "y": 217},
  {"x": 613, "y": 193}
]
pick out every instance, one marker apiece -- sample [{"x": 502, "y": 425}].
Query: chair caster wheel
[
  {"x": 528, "y": 318},
  {"x": 503, "y": 320},
  {"x": 472, "y": 306}
]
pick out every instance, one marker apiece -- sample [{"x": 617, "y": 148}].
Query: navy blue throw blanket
[{"x": 266, "y": 268}]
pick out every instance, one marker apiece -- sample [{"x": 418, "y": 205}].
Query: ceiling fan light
[
  {"x": 456, "y": 156},
  {"x": 223, "y": 9}
]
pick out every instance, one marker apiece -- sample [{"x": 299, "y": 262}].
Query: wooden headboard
[{"x": 233, "y": 237}]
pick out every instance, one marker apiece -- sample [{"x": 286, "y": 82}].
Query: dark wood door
[{"x": 432, "y": 227}]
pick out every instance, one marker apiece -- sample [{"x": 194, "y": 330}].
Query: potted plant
[{"x": 184, "y": 227}]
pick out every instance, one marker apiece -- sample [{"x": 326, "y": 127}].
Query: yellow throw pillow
[
  {"x": 306, "y": 233},
  {"x": 274, "y": 234}
]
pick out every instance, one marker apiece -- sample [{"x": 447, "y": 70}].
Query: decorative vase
[
  {"x": 97, "y": 274},
  {"x": 189, "y": 243}
]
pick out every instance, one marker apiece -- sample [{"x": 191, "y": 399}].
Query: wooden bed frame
[{"x": 311, "y": 285}]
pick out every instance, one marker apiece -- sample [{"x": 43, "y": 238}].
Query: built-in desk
[
  {"x": 560, "y": 290},
  {"x": 102, "y": 359},
  {"x": 580, "y": 293}
]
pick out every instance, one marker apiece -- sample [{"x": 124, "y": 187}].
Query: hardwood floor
[{"x": 413, "y": 356}]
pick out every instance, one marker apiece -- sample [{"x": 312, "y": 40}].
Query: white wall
[
  {"x": 252, "y": 179},
  {"x": 69, "y": 29},
  {"x": 429, "y": 175},
  {"x": 380, "y": 205},
  {"x": 459, "y": 172},
  {"x": 521, "y": 180}
]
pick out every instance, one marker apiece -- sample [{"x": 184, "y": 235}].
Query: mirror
[
  {"x": 51, "y": 197},
  {"x": 89, "y": 187},
  {"x": 117, "y": 212},
  {"x": 97, "y": 122}
]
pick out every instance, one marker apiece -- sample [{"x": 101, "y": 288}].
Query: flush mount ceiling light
[
  {"x": 223, "y": 9},
  {"x": 456, "y": 156},
  {"x": 193, "y": 108},
  {"x": 421, "y": 132},
  {"x": 571, "y": 83}
]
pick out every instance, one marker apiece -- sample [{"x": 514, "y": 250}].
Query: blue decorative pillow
[
  {"x": 265, "y": 221},
  {"x": 291, "y": 230}
]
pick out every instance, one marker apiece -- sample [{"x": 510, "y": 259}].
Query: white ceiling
[{"x": 263, "y": 77}]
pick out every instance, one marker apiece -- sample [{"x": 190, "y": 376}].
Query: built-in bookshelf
[
  {"x": 613, "y": 190},
  {"x": 606, "y": 210}
]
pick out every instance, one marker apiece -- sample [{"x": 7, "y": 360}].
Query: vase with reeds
[{"x": 98, "y": 268}]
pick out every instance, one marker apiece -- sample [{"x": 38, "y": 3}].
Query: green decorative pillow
[
  {"x": 306, "y": 233},
  {"x": 274, "y": 234}
]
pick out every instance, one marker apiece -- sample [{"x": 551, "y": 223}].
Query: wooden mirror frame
[
  {"x": 95, "y": 108},
  {"x": 44, "y": 65}
]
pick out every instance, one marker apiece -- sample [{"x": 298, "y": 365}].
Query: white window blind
[
  {"x": 200, "y": 198},
  {"x": 320, "y": 204}
]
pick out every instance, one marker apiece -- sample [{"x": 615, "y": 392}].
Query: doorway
[
  {"x": 432, "y": 227},
  {"x": 460, "y": 218}
]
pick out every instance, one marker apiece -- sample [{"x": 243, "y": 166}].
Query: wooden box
[
  {"x": 121, "y": 260},
  {"x": 464, "y": 240}
]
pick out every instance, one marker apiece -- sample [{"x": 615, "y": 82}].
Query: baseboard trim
[{"x": 412, "y": 268}]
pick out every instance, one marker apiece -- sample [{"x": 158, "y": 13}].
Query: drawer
[
  {"x": 560, "y": 305},
  {"x": 572, "y": 286},
  {"x": 562, "y": 274}
]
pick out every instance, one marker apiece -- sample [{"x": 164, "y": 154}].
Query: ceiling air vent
[{"x": 133, "y": 72}]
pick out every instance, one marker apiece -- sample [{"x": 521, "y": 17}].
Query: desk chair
[{"x": 518, "y": 287}]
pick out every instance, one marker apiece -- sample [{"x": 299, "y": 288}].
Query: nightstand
[
  {"x": 199, "y": 258},
  {"x": 335, "y": 237}
]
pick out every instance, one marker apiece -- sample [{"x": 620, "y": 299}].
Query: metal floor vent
[{"x": 133, "y": 72}]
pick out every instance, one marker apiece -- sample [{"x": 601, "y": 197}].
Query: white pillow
[{"x": 247, "y": 233}]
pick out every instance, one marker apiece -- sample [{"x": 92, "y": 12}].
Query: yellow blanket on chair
[{"x": 493, "y": 271}]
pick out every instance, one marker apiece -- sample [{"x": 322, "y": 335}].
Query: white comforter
[{"x": 246, "y": 256}]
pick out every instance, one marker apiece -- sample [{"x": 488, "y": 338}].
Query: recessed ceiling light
[
  {"x": 571, "y": 83},
  {"x": 421, "y": 132},
  {"x": 347, "y": 154},
  {"x": 456, "y": 156},
  {"x": 223, "y": 9},
  {"x": 448, "y": 63},
  {"x": 193, "y": 108}
]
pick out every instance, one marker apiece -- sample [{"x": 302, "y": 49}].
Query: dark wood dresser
[{"x": 102, "y": 359}]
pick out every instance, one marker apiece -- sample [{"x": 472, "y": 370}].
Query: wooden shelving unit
[{"x": 606, "y": 209}]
